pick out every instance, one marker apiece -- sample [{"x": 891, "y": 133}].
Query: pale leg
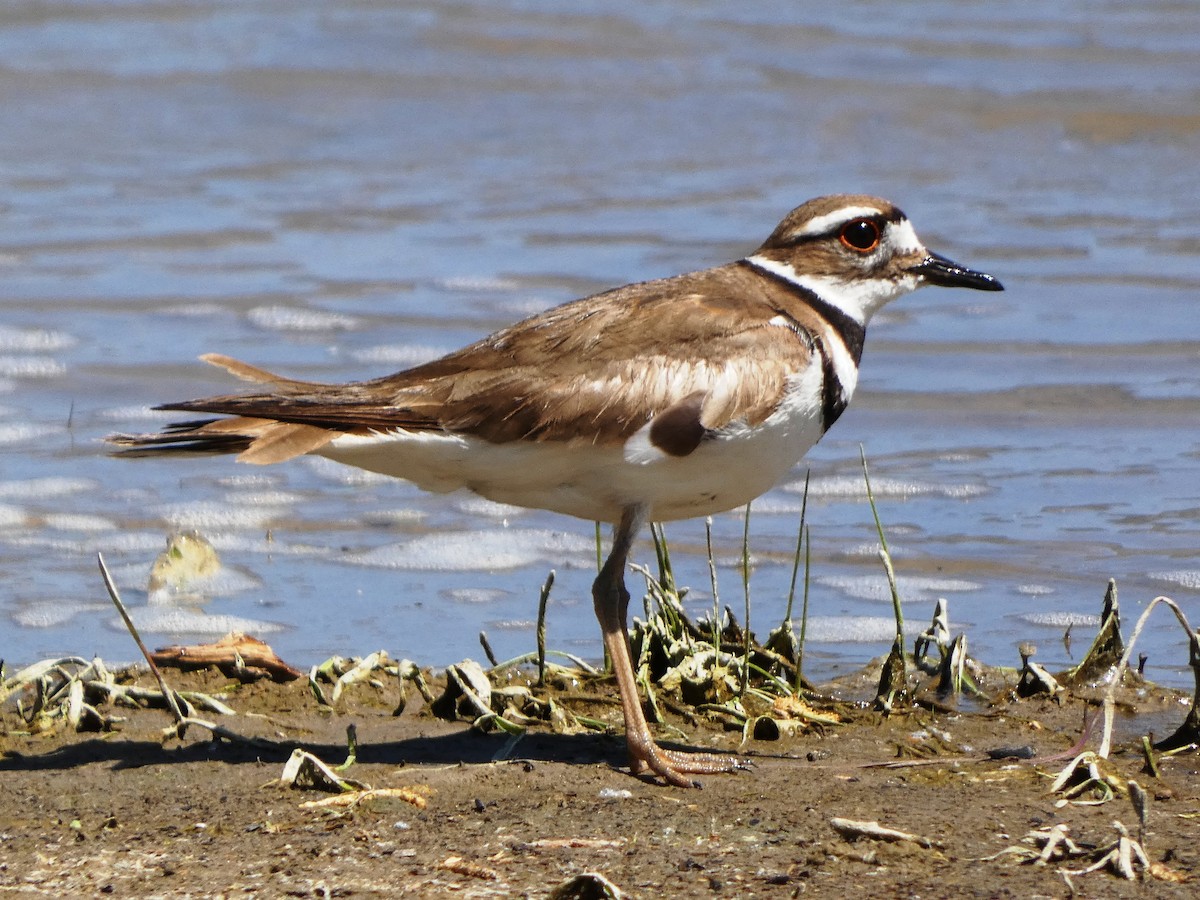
[{"x": 612, "y": 605}]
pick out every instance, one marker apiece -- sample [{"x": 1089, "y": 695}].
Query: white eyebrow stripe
[
  {"x": 824, "y": 223},
  {"x": 903, "y": 238}
]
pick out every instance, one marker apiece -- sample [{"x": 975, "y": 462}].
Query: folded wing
[{"x": 570, "y": 374}]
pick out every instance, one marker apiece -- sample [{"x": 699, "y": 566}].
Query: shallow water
[{"x": 336, "y": 192}]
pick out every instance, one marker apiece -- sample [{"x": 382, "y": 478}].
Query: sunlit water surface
[{"x": 336, "y": 191}]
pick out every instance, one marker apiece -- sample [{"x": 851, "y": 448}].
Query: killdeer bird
[{"x": 663, "y": 400}]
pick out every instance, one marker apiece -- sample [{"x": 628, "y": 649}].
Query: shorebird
[{"x": 655, "y": 401}]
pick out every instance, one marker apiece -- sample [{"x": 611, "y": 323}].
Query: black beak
[{"x": 936, "y": 269}]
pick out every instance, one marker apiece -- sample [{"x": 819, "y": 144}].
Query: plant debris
[
  {"x": 236, "y": 655},
  {"x": 305, "y": 771},
  {"x": 415, "y": 796},
  {"x": 481, "y": 822},
  {"x": 853, "y": 830}
]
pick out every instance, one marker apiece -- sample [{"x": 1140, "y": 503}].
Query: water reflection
[{"x": 339, "y": 193}]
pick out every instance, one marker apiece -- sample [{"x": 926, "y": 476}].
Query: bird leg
[{"x": 611, "y": 599}]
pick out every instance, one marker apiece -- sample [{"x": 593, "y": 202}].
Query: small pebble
[{"x": 615, "y": 794}]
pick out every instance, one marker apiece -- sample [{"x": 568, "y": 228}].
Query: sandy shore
[{"x": 125, "y": 814}]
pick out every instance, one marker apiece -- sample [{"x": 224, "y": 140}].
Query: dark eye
[{"x": 861, "y": 235}]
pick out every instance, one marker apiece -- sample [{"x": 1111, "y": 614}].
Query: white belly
[{"x": 598, "y": 482}]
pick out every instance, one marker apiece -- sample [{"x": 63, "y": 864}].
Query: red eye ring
[{"x": 860, "y": 235}]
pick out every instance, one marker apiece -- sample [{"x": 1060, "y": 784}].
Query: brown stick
[{"x": 229, "y": 653}]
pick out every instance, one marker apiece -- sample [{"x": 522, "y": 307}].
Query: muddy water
[{"x": 338, "y": 191}]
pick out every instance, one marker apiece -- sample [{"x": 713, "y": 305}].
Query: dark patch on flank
[{"x": 677, "y": 430}]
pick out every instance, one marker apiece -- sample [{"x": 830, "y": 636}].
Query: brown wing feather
[{"x": 584, "y": 371}]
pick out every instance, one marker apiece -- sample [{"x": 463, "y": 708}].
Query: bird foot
[{"x": 673, "y": 766}]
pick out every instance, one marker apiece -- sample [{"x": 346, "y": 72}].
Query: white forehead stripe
[
  {"x": 824, "y": 223},
  {"x": 903, "y": 238}
]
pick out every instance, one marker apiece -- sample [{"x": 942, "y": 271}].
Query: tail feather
[
  {"x": 180, "y": 437},
  {"x": 254, "y": 438},
  {"x": 258, "y": 441}
]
